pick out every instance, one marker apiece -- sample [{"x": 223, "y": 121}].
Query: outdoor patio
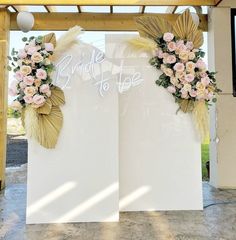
[{"x": 216, "y": 222}]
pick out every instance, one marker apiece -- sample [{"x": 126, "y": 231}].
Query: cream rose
[
  {"x": 168, "y": 72},
  {"x": 29, "y": 91},
  {"x": 190, "y": 66},
  {"x": 25, "y": 70},
  {"x": 37, "y": 57},
  {"x": 184, "y": 55},
  {"x": 191, "y": 56}
]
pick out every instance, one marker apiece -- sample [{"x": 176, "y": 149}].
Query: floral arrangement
[
  {"x": 185, "y": 74},
  {"x": 175, "y": 50},
  {"x": 32, "y": 66}
]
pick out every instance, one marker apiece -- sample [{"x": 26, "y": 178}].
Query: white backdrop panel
[
  {"x": 78, "y": 180},
  {"x": 159, "y": 151}
]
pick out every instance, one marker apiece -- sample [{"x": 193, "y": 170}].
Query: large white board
[
  {"x": 78, "y": 180},
  {"x": 159, "y": 150}
]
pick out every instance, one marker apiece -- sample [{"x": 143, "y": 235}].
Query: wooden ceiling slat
[
  {"x": 142, "y": 9},
  {"x": 171, "y": 9},
  {"x": 94, "y": 21},
  {"x": 113, "y": 2},
  {"x": 79, "y": 9}
]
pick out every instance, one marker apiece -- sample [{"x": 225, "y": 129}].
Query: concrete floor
[{"x": 216, "y": 222}]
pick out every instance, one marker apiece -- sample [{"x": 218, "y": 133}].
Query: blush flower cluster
[
  {"x": 185, "y": 74},
  {"x": 32, "y": 67}
]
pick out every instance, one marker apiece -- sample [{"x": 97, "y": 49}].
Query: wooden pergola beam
[
  {"x": 113, "y": 2},
  {"x": 217, "y": 2},
  {"x": 4, "y": 47},
  {"x": 94, "y": 21}
]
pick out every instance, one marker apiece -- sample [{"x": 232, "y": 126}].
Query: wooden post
[{"x": 4, "y": 46}]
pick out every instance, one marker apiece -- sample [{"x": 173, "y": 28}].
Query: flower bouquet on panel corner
[
  {"x": 176, "y": 52},
  {"x": 35, "y": 95}
]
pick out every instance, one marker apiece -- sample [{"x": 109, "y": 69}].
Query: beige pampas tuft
[
  {"x": 142, "y": 44},
  {"x": 66, "y": 41}
]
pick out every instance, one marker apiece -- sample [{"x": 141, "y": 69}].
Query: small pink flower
[
  {"x": 31, "y": 50},
  {"x": 171, "y": 89},
  {"x": 168, "y": 37},
  {"x": 28, "y": 80},
  {"x": 189, "y": 77},
  {"x": 44, "y": 88},
  {"x": 171, "y": 46},
  {"x": 28, "y": 99},
  {"x": 159, "y": 53},
  {"x": 171, "y": 59},
  {"x": 200, "y": 64},
  {"x": 189, "y": 45},
  {"x": 49, "y": 47},
  {"x": 19, "y": 75},
  {"x": 41, "y": 74},
  {"x": 22, "y": 54},
  {"x": 38, "y": 99},
  {"x": 205, "y": 81},
  {"x": 179, "y": 67}
]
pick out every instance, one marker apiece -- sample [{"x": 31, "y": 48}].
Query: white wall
[{"x": 223, "y": 115}]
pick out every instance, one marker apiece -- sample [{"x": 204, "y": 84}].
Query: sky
[{"x": 96, "y": 38}]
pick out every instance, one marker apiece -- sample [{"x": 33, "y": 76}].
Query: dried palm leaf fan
[{"x": 184, "y": 28}]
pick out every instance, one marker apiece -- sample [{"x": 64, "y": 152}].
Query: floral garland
[
  {"x": 185, "y": 74},
  {"x": 33, "y": 67}
]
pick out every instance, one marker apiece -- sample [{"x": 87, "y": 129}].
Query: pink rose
[
  {"x": 179, "y": 67},
  {"x": 189, "y": 77},
  {"x": 200, "y": 64},
  {"x": 31, "y": 50},
  {"x": 22, "y": 53},
  {"x": 44, "y": 88},
  {"x": 49, "y": 47},
  {"x": 205, "y": 81},
  {"x": 179, "y": 42},
  {"x": 28, "y": 99},
  {"x": 203, "y": 74},
  {"x": 193, "y": 93},
  {"x": 168, "y": 37},
  {"x": 171, "y": 89},
  {"x": 41, "y": 74},
  {"x": 210, "y": 96},
  {"x": 19, "y": 75},
  {"x": 28, "y": 80},
  {"x": 29, "y": 91},
  {"x": 171, "y": 46},
  {"x": 159, "y": 53},
  {"x": 189, "y": 45},
  {"x": 13, "y": 89},
  {"x": 38, "y": 99},
  {"x": 170, "y": 59}
]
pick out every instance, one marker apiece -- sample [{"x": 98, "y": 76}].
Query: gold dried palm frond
[
  {"x": 46, "y": 108},
  {"x": 186, "y": 29},
  {"x": 50, "y": 38},
  {"x": 57, "y": 97},
  {"x": 186, "y": 105},
  {"x": 153, "y": 26},
  {"x": 49, "y": 127}
]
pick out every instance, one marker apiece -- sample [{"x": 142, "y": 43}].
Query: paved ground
[
  {"x": 216, "y": 222},
  {"x": 17, "y": 149}
]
